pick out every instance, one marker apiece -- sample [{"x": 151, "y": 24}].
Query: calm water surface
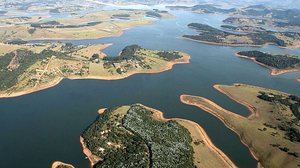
[{"x": 43, "y": 127}]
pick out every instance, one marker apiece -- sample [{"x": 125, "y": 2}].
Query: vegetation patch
[{"x": 275, "y": 61}]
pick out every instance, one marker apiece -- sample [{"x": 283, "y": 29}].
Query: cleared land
[
  {"x": 140, "y": 136},
  {"x": 272, "y": 131},
  {"x": 29, "y": 68}
]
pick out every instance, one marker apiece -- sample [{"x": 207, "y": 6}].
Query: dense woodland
[
  {"x": 168, "y": 142},
  {"x": 55, "y": 24},
  {"x": 127, "y": 53},
  {"x": 153, "y": 14},
  {"x": 275, "y": 61},
  {"x": 138, "y": 140}
]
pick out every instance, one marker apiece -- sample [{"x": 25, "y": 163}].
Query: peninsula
[
  {"x": 28, "y": 68},
  {"x": 278, "y": 64},
  {"x": 255, "y": 15},
  {"x": 260, "y": 38},
  {"x": 139, "y": 136},
  {"x": 92, "y": 25},
  {"x": 271, "y": 132}
]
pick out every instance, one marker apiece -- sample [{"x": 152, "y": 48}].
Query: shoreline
[
  {"x": 184, "y": 60},
  {"x": 158, "y": 115},
  {"x": 32, "y": 90},
  {"x": 239, "y": 45},
  {"x": 221, "y": 119},
  {"x": 274, "y": 71},
  {"x": 58, "y": 163}
]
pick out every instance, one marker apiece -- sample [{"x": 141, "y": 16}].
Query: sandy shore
[
  {"x": 32, "y": 90},
  {"x": 184, "y": 60},
  {"x": 298, "y": 79},
  {"x": 57, "y": 163},
  {"x": 274, "y": 71},
  {"x": 101, "y": 111},
  {"x": 92, "y": 158},
  {"x": 158, "y": 115},
  {"x": 239, "y": 45}
]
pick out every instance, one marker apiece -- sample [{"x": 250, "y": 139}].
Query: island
[
  {"x": 27, "y": 68},
  {"x": 271, "y": 132},
  {"x": 139, "y": 136},
  {"x": 211, "y": 35},
  {"x": 278, "y": 64}
]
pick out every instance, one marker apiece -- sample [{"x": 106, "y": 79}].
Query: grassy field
[{"x": 267, "y": 131}]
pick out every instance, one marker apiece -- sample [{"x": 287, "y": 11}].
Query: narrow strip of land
[{"x": 271, "y": 132}]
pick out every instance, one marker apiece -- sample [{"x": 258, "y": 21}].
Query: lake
[{"x": 42, "y": 127}]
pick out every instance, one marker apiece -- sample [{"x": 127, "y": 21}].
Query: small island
[
  {"x": 258, "y": 38},
  {"x": 28, "y": 68},
  {"x": 271, "y": 132},
  {"x": 278, "y": 64},
  {"x": 139, "y": 136}
]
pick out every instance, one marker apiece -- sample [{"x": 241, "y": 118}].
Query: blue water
[{"x": 45, "y": 126}]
